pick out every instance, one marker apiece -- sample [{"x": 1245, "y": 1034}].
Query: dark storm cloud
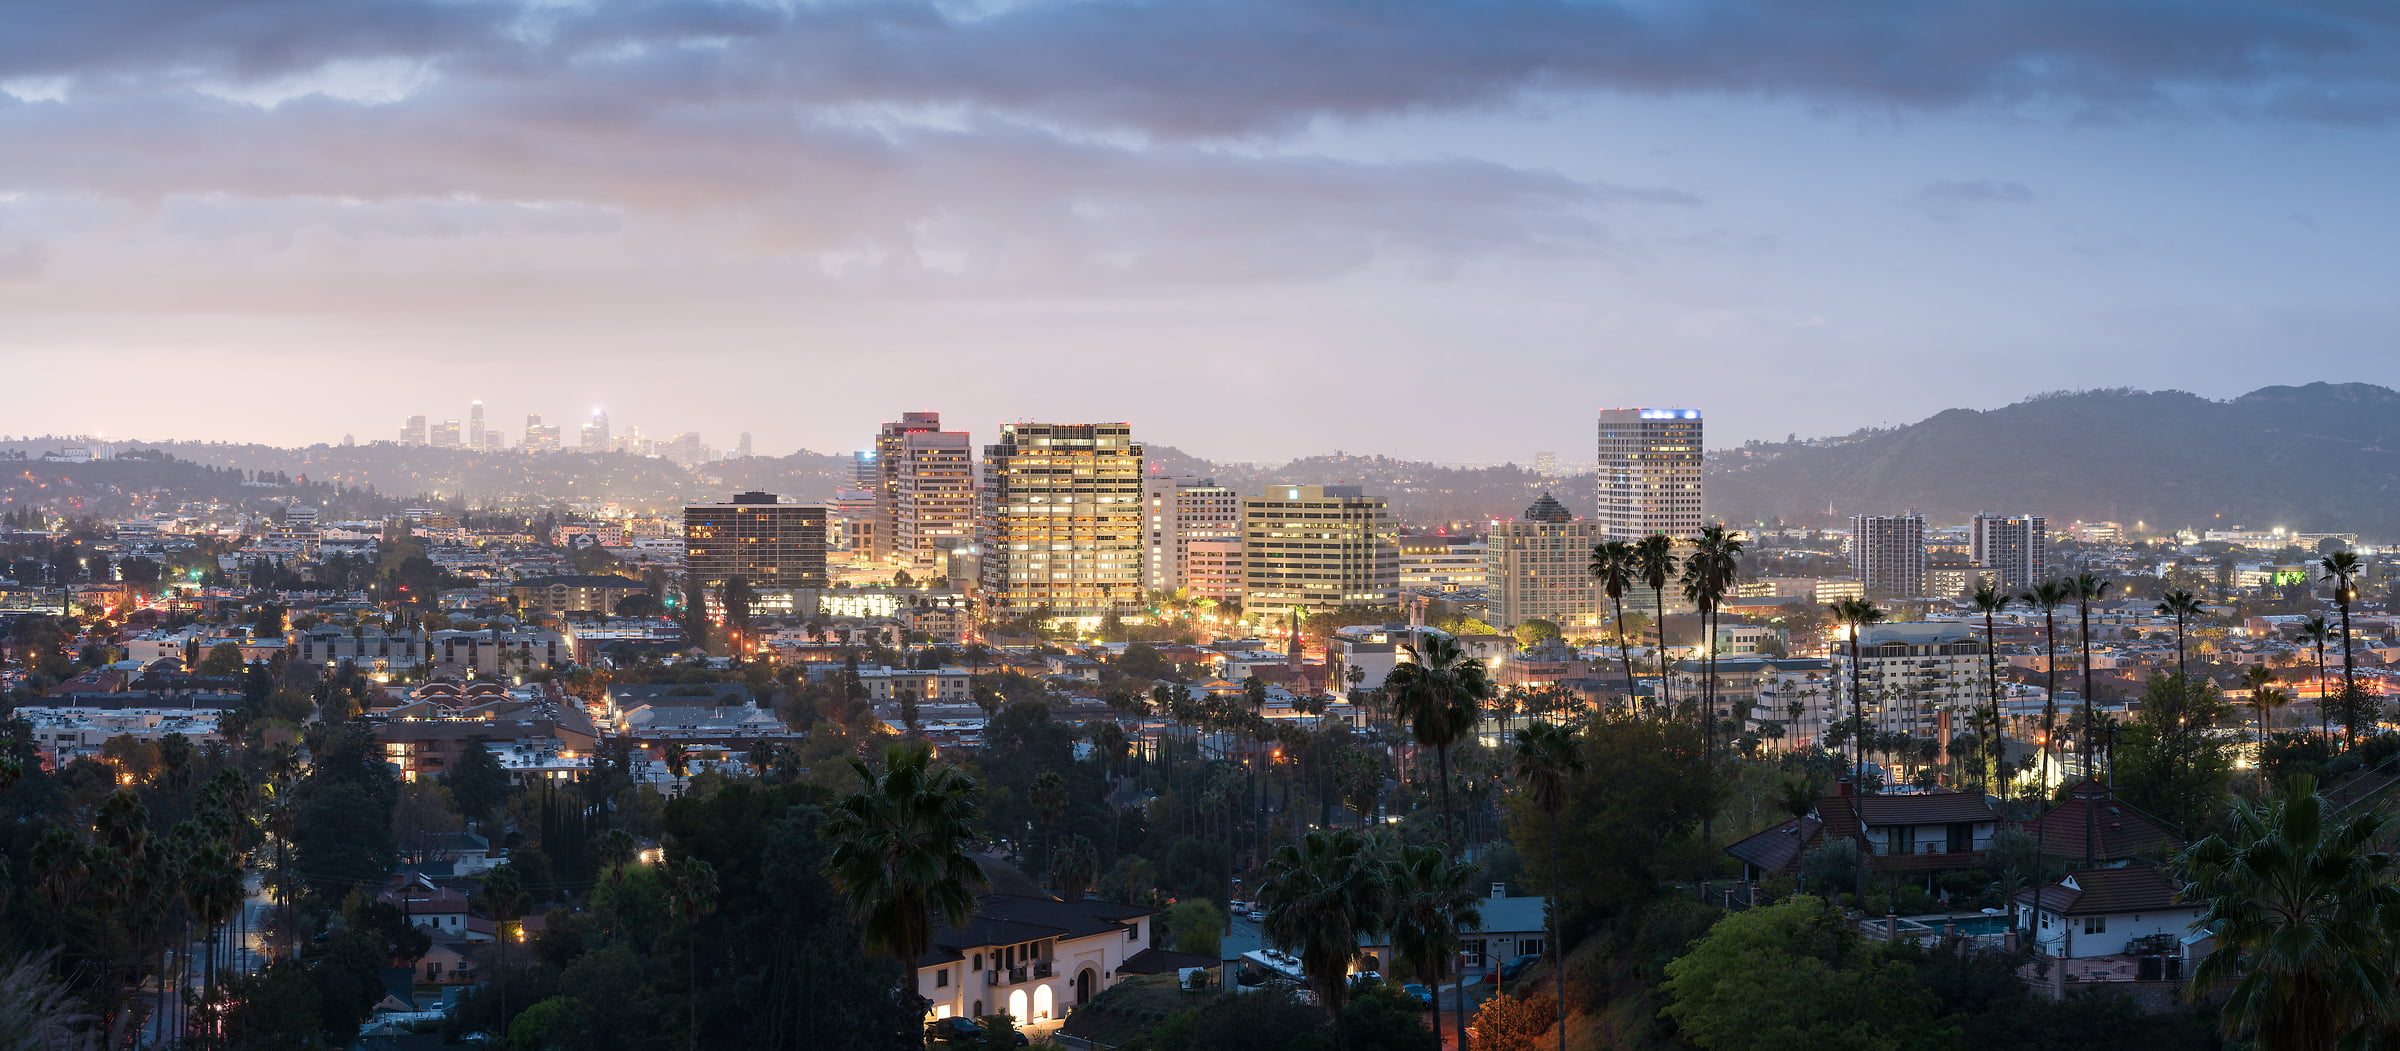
[{"x": 1243, "y": 67}]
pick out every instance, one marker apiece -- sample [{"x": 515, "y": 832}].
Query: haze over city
[{"x": 1259, "y": 230}]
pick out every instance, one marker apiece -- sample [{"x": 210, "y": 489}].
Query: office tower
[
  {"x": 413, "y": 432},
  {"x": 540, "y": 439},
  {"x": 445, "y": 436},
  {"x": 349, "y": 440},
  {"x": 1061, "y": 519},
  {"x": 2013, "y": 548},
  {"x": 1318, "y": 547},
  {"x": 850, "y": 523},
  {"x": 595, "y": 433},
  {"x": 863, "y": 472},
  {"x": 1176, "y": 512},
  {"x": 1545, "y": 464},
  {"x": 1442, "y": 562},
  {"x": 1539, "y": 567},
  {"x": 766, "y": 543},
  {"x": 741, "y": 448},
  {"x": 924, "y": 481},
  {"x": 1887, "y": 554},
  {"x": 685, "y": 449},
  {"x": 1649, "y": 477},
  {"x": 475, "y": 427}
]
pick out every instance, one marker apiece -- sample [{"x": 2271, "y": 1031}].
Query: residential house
[
  {"x": 1917, "y": 832},
  {"x": 2105, "y": 912},
  {"x": 1032, "y": 957}
]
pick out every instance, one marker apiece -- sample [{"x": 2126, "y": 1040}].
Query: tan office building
[
  {"x": 1316, "y": 547},
  {"x": 1538, "y": 567},
  {"x": 1649, "y": 477},
  {"x": 1061, "y": 519}
]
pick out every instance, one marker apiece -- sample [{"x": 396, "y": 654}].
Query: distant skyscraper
[
  {"x": 1649, "y": 477},
  {"x": 741, "y": 449},
  {"x": 539, "y": 439},
  {"x": 1175, "y": 513},
  {"x": 2014, "y": 548},
  {"x": 1061, "y": 519},
  {"x": 888, "y": 456},
  {"x": 767, "y": 544},
  {"x": 1539, "y": 567},
  {"x": 934, "y": 503},
  {"x": 475, "y": 427},
  {"x": 1318, "y": 547},
  {"x": 1545, "y": 464},
  {"x": 413, "y": 432},
  {"x": 863, "y": 472},
  {"x": 348, "y": 440},
  {"x": 445, "y": 436},
  {"x": 595, "y": 433},
  {"x": 1887, "y": 554}
]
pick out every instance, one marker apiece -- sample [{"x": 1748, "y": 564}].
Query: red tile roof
[{"x": 2106, "y": 892}]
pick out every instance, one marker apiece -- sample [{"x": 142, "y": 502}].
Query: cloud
[
  {"x": 1233, "y": 68},
  {"x": 1966, "y": 193}
]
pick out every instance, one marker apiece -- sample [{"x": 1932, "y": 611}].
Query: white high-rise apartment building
[
  {"x": 1910, "y": 673},
  {"x": 1649, "y": 477},
  {"x": 1538, "y": 567},
  {"x": 1061, "y": 522},
  {"x": 2014, "y": 548},
  {"x": 1887, "y": 554},
  {"x": 475, "y": 438},
  {"x": 1176, "y": 512}
]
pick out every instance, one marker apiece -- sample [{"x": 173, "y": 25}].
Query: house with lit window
[
  {"x": 1034, "y": 958},
  {"x": 2106, "y": 912}
]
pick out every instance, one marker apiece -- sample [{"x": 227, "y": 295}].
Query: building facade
[
  {"x": 1649, "y": 476},
  {"x": 1061, "y": 519},
  {"x": 1317, "y": 547},
  {"x": 1539, "y": 567},
  {"x": 1443, "y": 563},
  {"x": 1887, "y": 554},
  {"x": 924, "y": 485},
  {"x": 1910, "y": 673},
  {"x": 766, "y": 543},
  {"x": 2014, "y": 548},
  {"x": 1176, "y": 512}
]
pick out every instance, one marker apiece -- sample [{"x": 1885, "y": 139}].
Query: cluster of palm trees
[{"x": 1334, "y": 887}]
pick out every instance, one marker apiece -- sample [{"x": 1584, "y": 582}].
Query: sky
[{"x": 1256, "y": 229}]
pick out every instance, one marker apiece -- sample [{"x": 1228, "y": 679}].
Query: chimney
[
  {"x": 1842, "y": 787},
  {"x": 1499, "y": 890}
]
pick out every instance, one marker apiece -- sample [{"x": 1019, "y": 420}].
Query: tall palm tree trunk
[
  {"x": 1665, "y": 701},
  {"x": 2091, "y": 815},
  {"x": 1625, "y": 652},
  {"x": 1558, "y": 950},
  {"x": 1991, "y": 671},
  {"x": 1449, "y": 817},
  {"x": 2341, "y": 591},
  {"x": 1858, "y": 761},
  {"x": 2179, "y": 643}
]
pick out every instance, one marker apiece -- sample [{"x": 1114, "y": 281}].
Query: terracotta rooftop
[{"x": 2098, "y": 892}]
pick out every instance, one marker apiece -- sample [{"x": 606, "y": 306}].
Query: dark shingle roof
[
  {"x": 2106, "y": 892},
  {"x": 1778, "y": 849},
  {"x": 2120, "y": 832},
  {"x": 1161, "y": 961}
]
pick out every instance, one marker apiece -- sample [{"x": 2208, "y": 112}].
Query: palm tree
[
  {"x": 2088, "y": 588},
  {"x": 2317, "y": 631},
  {"x": 212, "y": 887},
  {"x": 1654, "y": 562},
  {"x": 2342, "y": 567},
  {"x": 1708, "y": 576},
  {"x": 2181, "y": 605},
  {"x": 1857, "y": 613},
  {"x": 1990, "y": 601},
  {"x": 1431, "y": 900},
  {"x": 1440, "y": 691},
  {"x": 2303, "y": 909},
  {"x": 1321, "y": 894},
  {"x": 1548, "y": 758},
  {"x": 1049, "y": 799},
  {"x": 2266, "y": 700},
  {"x": 1613, "y": 568},
  {"x": 691, "y": 890},
  {"x": 900, "y": 851},
  {"x": 2047, "y": 596}
]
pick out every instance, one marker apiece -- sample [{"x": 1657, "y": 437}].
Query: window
[
  {"x": 2095, "y": 925},
  {"x": 941, "y": 978},
  {"x": 1134, "y": 933},
  {"x": 978, "y": 961}
]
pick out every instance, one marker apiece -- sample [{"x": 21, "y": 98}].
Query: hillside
[{"x": 2319, "y": 457}]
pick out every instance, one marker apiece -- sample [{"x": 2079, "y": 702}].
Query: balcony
[
  {"x": 1016, "y": 976},
  {"x": 1042, "y": 969}
]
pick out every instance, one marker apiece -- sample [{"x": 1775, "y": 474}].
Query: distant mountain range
[{"x": 2321, "y": 457}]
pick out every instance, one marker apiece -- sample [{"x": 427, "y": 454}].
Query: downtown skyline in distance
[{"x": 1574, "y": 205}]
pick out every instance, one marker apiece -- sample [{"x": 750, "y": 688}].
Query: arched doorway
[
  {"x": 1042, "y": 1003},
  {"x": 978, "y": 1009},
  {"x": 1084, "y": 981},
  {"x": 1016, "y": 1007}
]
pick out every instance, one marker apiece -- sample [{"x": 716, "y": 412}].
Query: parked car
[
  {"x": 1418, "y": 990},
  {"x": 1256, "y": 913},
  {"x": 958, "y": 1029},
  {"x": 1510, "y": 970}
]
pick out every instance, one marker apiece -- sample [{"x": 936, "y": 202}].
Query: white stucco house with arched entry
[{"x": 1034, "y": 958}]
